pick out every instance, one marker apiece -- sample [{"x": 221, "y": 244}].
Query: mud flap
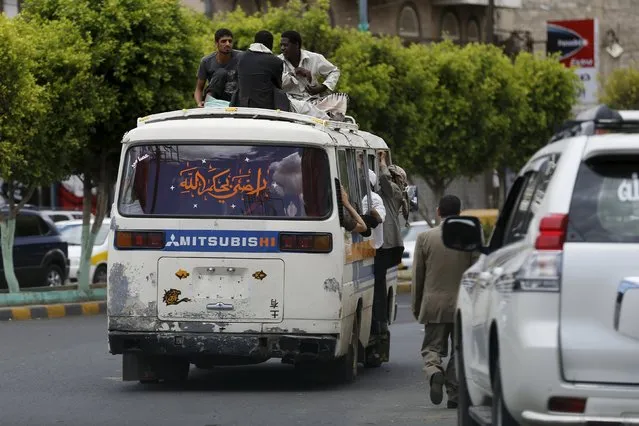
[
  {"x": 137, "y": 366},
  {"x": 133, "y": 367}
]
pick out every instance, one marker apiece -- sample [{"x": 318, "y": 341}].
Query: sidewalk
[{"x": 17, "y": 313}]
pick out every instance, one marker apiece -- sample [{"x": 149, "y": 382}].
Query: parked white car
[
  {"x": 62, "y": 215},
  {"x": 71, "y": 232},
  {"x": 547, "y": 324},
  {"x": 409, "y": 237}
]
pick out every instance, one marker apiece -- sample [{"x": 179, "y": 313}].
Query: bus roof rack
[
  {"x": 255, "y": 113},
  {"x": 597, "y": 120}
]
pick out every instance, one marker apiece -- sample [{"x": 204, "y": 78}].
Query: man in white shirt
[
  {"x": 302, "y": 69},
  {"x": 376, "y": 206}
]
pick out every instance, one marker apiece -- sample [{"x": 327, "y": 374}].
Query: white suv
[{"x": 547, "y": 324}]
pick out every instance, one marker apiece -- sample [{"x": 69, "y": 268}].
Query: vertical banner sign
[{"x": 577, "y": 43}]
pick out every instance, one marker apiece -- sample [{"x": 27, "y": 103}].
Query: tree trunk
[
  {"x": 501, "y": 172},
  {"x": 90, "y": 232},
  {"x": 88, "y": 238},
  {"x": 422, "y": 205},
  {"x": 7, "y": 232},
  {"x": 438, "y": 190}
]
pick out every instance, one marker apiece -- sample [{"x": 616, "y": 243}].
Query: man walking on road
[{"x": 437, "y": 272}]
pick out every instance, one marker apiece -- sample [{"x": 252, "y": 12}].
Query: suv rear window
[
  {"x": 226, "y": 180},
  {"x": 605, "y": 201}
]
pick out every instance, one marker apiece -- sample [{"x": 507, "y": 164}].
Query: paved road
[{"x": 59, "y": 372}]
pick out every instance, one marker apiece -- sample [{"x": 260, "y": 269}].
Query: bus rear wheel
[{"x": 344, "y": 369}]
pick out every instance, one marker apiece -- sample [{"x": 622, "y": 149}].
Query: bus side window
[
  {"x": 353, "y": 189},
  {"x": 362, "y": 177},
  {"x": 342, "y": 166}
]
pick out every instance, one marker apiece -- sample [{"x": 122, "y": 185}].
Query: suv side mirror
[{"x": 463, "y": 233}]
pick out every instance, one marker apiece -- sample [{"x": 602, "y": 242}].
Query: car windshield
[
  {"x": 204, "y": 180},
  {"x": 410, "y": 234},
  {"x": 72, "y": 234}
]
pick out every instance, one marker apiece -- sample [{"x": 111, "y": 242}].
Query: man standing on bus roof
[
  {"x": 437, "y": 272},
  {"x": 302, "y": 69},
  {"x": 218, "y": 71}
]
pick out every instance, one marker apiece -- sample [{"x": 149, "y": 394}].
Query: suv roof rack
[
  {"x": 256, "y": 113},
  {"x": 598, "y": 120}
]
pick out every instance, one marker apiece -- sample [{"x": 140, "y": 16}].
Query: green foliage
[
  {"x": 47, "y": 102},
  {"x": 23, "y": 104},
  {"x": 143, "y": 59},
  {"x": 311, "y": 22},
  {"x": 621, "y": 89},
  {"x": 551, "y": 91},
  {"x": 467, "y": 112}
]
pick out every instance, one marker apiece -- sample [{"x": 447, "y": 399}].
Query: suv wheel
[
  {"x": 464, "y": 404},
  {"x": 53, "y": 276}
]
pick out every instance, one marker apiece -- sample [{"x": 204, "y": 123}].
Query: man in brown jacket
[{"x": 437, "y": 272}]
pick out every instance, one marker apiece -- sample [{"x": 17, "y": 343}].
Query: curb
[
  {"x": 18, "y": 313},
  {"x": 403, "y": 287}
]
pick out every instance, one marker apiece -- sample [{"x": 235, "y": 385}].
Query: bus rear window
[{"x": 226, "y": 180}]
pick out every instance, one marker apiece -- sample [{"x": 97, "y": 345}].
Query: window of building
[
  {"x": 449, "y": 29},
  {"x": 248, "y": 6},
  {"x": 473, "y": 30},
  {"x": 408, "y": 25}
]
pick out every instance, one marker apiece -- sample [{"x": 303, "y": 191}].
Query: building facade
[
  {"x": 10, "y": 7},
  {"x": 618, "y": 24},
  {"x": 414, "y": 20}
]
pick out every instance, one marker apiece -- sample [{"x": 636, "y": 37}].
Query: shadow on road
[{"x": 271, "y": 376}]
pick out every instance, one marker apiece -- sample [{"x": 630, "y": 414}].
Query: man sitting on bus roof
[
  {"x": 302, "y": 69},
  {"x": 260, "y": 76}
]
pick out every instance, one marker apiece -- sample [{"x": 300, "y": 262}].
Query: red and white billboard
[{"x": 576, "y": 41}]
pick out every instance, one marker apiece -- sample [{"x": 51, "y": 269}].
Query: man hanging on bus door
[{"x": 390, "y": 254}]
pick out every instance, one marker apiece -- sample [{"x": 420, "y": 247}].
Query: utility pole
[
  {"x": 363, "y": 15},
  {"x": 490, "y": 22}
]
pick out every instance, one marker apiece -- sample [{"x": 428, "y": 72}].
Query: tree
[
  {"x": 312, "y": 22},
  {"x": 144, "y": 56},
  {"x": 550, "y": 92},
  {"x": 467, "y": 112},
  {"x": 621, "y": 89},
  {"x": 42, "y": 113}
]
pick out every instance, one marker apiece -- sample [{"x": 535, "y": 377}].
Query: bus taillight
[
  {"x": 306, "y": 242},
  {"x": 139, "y": 240}
]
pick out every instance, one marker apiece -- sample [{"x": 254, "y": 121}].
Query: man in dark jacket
[{"x": 260, "y": 76}]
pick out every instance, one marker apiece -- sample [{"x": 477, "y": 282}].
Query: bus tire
[
  {"x": 373, "y": 358},
  {"x": 345, "y": 367}
]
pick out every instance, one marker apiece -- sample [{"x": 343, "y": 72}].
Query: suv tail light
[
  {"x": 541, "y": 271},
  {"x": 306, "y": 243},
  {"x": 139, "y": 240},
  {"x": 552, "y": 232}
]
